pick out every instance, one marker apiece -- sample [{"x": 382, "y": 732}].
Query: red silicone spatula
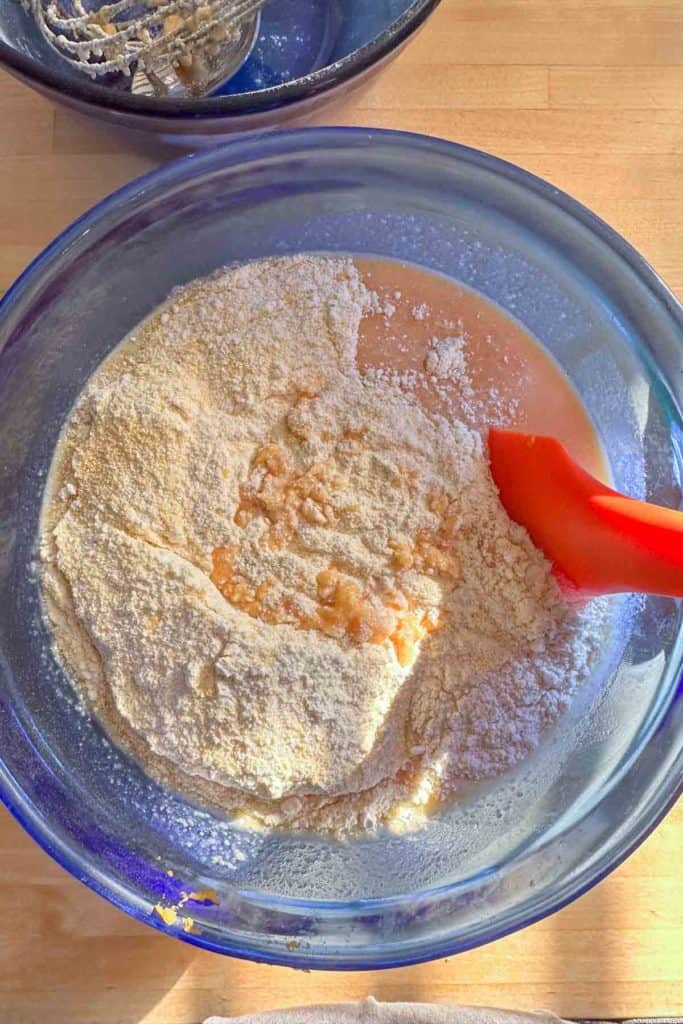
[{"x": 602, "y": 541}]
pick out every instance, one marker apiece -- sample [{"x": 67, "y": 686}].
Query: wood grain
[{"x": 588, "y": 94}]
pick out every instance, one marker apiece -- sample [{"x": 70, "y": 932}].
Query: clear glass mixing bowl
[
  {"x": 306, "y": 54},
  {"x": 511, "y": 850}
]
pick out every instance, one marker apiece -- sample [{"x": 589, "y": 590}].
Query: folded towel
[{"x": 372, "y": 1012}]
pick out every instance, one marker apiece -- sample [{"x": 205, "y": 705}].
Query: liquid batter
[{"x": 516, "y": 382}]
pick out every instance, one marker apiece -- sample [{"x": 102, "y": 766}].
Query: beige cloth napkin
[{"x": 372, "y": 1012}]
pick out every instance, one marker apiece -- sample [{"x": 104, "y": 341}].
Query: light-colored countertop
[{"x": 586, "y": 93}]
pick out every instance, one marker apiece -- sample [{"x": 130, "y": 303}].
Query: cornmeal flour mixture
[{"x": 284, "y": 586}]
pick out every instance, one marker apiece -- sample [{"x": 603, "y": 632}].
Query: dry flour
[{"x": 284, "y": 586}]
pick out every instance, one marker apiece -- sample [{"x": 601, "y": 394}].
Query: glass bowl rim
[
  {"x": 230, "y": 155},
  {"x": 316, "y": 83}
]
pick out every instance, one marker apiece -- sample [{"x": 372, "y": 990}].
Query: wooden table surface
[{"x": 586, "y": 93}]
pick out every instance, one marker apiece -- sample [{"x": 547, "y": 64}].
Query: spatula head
[{"x": 601, "y": 541}]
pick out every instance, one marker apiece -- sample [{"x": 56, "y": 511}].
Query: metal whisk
[{"x": 163, "y": 47}]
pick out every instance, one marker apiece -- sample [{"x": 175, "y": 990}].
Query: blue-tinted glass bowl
[
  {"x": 509, "y": 851},
  {"x": 308, "y": 53}
]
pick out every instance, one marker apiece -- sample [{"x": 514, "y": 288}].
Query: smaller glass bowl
[
  {"x": 307, "y": 53},
  {"x": 511, "y": 850}
]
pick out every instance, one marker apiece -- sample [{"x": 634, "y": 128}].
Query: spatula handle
[{"x": 644, "y": 544}]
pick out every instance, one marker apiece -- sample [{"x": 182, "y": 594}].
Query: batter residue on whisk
[{"x": 278, "y": 570}]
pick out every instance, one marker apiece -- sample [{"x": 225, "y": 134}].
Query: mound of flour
[{"x": 284, "y": 586}]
